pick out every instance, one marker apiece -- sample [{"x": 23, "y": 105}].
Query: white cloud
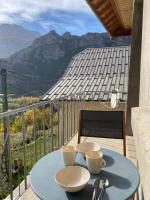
[
  {"x": 29, "y": 10},
  {"x": 62, "y": 25}
]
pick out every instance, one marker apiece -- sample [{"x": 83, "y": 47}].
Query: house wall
[
  {"x": 69, "y": 115},
  {"x": 141, "y": 130},
  {"x": 140, "y": 118},
  {"x": 145, "y": 57}
]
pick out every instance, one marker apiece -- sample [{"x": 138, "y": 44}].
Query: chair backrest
[{"x": 104, "y": 124}]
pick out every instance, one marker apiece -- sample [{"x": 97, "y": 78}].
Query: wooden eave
[{"x": 115, "y": 15}]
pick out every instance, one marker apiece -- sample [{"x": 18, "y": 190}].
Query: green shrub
[{"x": 16, "y": 125}]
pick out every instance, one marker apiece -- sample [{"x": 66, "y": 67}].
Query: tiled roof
[{"x": 96, "y": 70}]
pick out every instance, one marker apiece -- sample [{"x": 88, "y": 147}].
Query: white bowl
[
  {"x": 72, "y": 178},
  {"x": 84, "y": 147}
]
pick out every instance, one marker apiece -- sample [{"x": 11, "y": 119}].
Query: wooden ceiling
[{"x": 115, "y": 15}]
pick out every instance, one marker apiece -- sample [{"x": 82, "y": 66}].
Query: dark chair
[{"x": 102, "y": 124}]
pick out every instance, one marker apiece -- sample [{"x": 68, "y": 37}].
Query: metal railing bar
[
  {"x": 40, "y": 141},
  {"x": 24, "y": 149},
  {"x": 43, "y": 127},
  {"x": 49, "y": 131},
  {"x": 74, "y": 112},
  {"x": 35, "y": 135},
  {"x": 71, "y": 117},
  {"x": 67, "y": 120},
  {"x": 5, "y": 142},
  {"x": 51, "y": 128},
  {"x": 55, "y": 125},
  {"x": 54, "y": 137},
  {"x": 31, "y": 153},
  {"x": 39, "y": 137},
  {"x": 19, "y": 110},
  {"x": 9, "y": 160},
  {"x": 58, "y": 107},
  {"x": 29, "y": 107},
  {"x": 18, "y": 169},
  {"x": 62, "y": 133},
  {"x": 18, "y": 173}
]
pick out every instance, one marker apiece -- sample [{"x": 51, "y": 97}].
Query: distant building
[
  {"x": 91, "y": 77},
  {"x": 95, "y": 70}
]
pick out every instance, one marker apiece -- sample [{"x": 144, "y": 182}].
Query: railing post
[
  {"x": 5, "y": 108},
  {"x": 9, "y": 161},
  {"x": 62, "y": 134},
  {"x": 43, "y": 126},
  {"x": 24, "y": 149},
  {"x": 51, "y": 128},
  {"x": 67, "y": 118},
  {"x": 34, "y": 126},
  {"x": 75, "y": 100},
  {"x": 58, "y": 109},
  {"x": 71, "y": 114}
]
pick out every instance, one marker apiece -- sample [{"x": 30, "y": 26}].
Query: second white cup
[
  {"x": 95, "y": 161},
  {"x": 69, "y": 155}
]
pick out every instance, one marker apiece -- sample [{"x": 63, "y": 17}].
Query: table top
[{"x": 120, "y": 171}]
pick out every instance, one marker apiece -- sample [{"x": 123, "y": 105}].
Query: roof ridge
[
  {"x": 107, "y": 47},
  {"x": 90, "y": 48}
]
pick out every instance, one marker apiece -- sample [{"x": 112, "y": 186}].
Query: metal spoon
[{"x": 105, "y": 184}]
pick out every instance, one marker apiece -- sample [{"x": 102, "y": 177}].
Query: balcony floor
[{"x": 113, "y": 144}]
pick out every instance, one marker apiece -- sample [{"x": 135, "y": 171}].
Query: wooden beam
[
  {"x": 112, "y": 23},
  {"x": 106, "y": 14},
  {"x": 107, "y": 20},
  {"x": 114, "y": 30},
  {"x": 117, "y": 12},
  {"x": 103, "y": 7},
  {"x": 135, "y": 63},
  {"x": 97, "y": 3},
  {"x": 120, "y": 32}
]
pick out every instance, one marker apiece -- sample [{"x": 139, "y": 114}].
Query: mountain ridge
[
  {"x": 46, "y": 59},
  {"x": 14, "y": 38}
]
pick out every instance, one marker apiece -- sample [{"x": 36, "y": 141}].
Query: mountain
[
  {"x": 33, "y": 70},
  {"x": 14, "y": 38}
]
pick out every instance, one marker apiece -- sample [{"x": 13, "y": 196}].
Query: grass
[
  {"x": 34, "y": 150},
  {"x": 14, "y": 103}
]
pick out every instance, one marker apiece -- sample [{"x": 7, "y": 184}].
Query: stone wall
[{"x": 141, "y": 132}]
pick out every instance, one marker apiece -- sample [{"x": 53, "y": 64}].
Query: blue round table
[{"x": 120, "y": 171}]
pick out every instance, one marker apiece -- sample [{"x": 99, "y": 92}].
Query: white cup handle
[{"x": 103, "y": 163}]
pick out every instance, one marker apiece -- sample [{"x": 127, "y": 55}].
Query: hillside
[
  {"x": 14, "y": 38},
  {"x": 40, "y": 65}
]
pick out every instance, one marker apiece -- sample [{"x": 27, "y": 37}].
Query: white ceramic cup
[
  {"x": 95, "y": 161},
  {"x": 69, "y": 155}
]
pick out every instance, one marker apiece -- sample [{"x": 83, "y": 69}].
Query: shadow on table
[
  {"x": 114, "y": 179},
  {"x": 85, "y": 194},
  {"x": 109, "y": 160}
]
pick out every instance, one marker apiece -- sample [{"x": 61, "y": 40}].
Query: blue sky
[{"x": 74, "y": 16}]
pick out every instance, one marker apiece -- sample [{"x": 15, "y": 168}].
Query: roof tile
[{"x": 95, "y": 70}]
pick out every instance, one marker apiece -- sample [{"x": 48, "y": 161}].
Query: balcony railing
[{"x": 29, "y": 133}]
